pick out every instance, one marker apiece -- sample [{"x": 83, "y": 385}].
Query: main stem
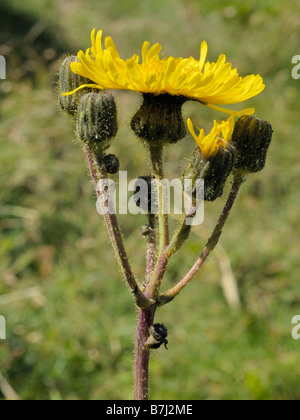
[
  {"x": 147, "y": 311},
  {"x": 146, "y": 316},
  {"x": 145, "y": 321},
  {"x": 142, "y": 354}
]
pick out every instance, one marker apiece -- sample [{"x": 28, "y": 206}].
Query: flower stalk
[
  {"x": 163, "y": 218},
  {"x": 151, "y": 253},
  {"x": 210, "y": 245},
  {"x": 114, "y": 232}
]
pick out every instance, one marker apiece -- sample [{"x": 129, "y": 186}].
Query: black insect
[{"x": 158, "y": 336}]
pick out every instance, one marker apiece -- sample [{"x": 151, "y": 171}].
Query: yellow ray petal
[
  {"x": 211, "y": 83},
  {"x": 81, "y": 87},
  {"x": 203, "y": 54},
  {"x": 210, "y": 144}
]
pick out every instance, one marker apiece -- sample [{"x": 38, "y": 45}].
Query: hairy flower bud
[
  {"x": 159, "y": 120},
  {"x": 97, "y": 120},
  {"x": 110, "y": 163},
  {"x": 69, "y": 81},
  {"x": 251, "y": 138},
  {"x": 215, "y": 176}
]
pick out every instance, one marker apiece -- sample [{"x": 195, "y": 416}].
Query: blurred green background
[{"x": 70, "y": 320}]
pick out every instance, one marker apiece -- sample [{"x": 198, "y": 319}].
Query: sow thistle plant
[{"x": 236, "y": 145}]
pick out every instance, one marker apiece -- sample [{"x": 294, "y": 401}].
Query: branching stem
[{"x": 209, "y": 247}]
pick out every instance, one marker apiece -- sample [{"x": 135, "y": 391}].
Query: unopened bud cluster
[{"x": 245, "y": 153}]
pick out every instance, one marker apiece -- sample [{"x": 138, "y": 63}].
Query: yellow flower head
[
  {"x": 219, "y": 136},
  {"x": 209, "y": 83}
]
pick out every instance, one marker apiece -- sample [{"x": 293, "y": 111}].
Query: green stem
[{"x": 163, "y": 222}]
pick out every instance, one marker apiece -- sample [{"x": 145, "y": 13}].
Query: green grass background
[{"x": 73, "y": 338}]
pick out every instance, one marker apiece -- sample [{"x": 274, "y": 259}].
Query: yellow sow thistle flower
[
  {"x": 210, "y": 83},
  {"x": 219, "y": 136},
  {"x": 166, "y": 83}
]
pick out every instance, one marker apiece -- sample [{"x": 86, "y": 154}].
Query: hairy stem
[
  {"x": 182, "y": 234},
  {"x": 163, "y": 222},
  {"x": 114, "y": 231},
  {"x": 151, "y": 256},
  {"x": 142, "y": 354}
]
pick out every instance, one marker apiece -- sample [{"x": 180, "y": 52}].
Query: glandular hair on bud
[
  {"x": 217, "y": 172},
  {"x": 67, "y": 82},
  {"x": 110, "y": 164},
  {"x": 97, "y": 120},
  {"x": 159, "y": 119},
  {"x": 251, "y": 138}
]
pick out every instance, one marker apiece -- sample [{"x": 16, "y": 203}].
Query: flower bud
[
  {"x": 97, "y": 120},
  {"x": 215, "y": 176},
  {"x": 159, "y": 120},
  {"x": 69, "y": 81},
  {"x": 251, "y": 138},
  {"x": 111, "y": 164}
]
